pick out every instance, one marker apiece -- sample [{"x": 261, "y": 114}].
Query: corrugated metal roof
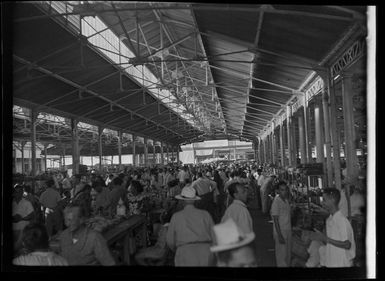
[{"x": 272, "y": 48}]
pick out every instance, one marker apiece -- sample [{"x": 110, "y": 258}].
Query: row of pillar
[
  {"x": 76, "y": 147},
  {"x": 326, "y": 134}
]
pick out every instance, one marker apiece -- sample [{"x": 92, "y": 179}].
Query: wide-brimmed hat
[
  {"x": 229, "y": 236},
  {"x": 188, "y": 193}
]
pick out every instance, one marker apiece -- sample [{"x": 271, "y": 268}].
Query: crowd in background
[{"x": 210, "y": 197}]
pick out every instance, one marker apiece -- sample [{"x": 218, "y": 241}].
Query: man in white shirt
[
  {"x": 238, "y": 210},
  {"x": 281, "y": 215},
  {"x": 340, "y": 249}
]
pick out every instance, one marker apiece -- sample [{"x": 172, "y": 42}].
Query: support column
[
  {"x": 259, "y": 151},
  {"x": 75, "y": 146},
  {"x": 167, "y": 155},
  {"x": 34, "y": 114},
  {"x": 177, "y": 155},
  {"x": 282, "y": 149},
  {"x": 100, "y": 147},
  {"x": 301, "y": 136},
  {"x": 120, "y": 149},
  {"x": 264, "y": 150},
  {"x": 45, "y": 157},
  {"x": 64, "y": 155},
  {"x": 306, "y": 123},
  {"x": 22, "y": 157},
  {"x": 349, "y": 131},
  {"x": 294, "y": 142},
  {"x": 335, "y": 135},
  {"x": 161, "y": 154},
  {"x": 145, "y": 152},
  {"x": 273, "y": 148},
  {"x": 154, "y": 152},
  {"x": 318, "y": 133},
  {"x": 326, "y": 111},
  {"x": 289, "y": 138},
  {"x": 133, "y": 151}
]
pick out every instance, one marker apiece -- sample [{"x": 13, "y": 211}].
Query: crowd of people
[{"x": 206, "y": 217}]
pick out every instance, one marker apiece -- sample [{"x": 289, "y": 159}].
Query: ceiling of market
[{"x": 230, "y": 69}]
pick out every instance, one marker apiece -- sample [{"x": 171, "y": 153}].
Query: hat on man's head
[
  {"x": 229, "y": 236},
  {"x": 188, "y": 193}
]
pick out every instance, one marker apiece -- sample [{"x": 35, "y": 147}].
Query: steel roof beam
[
  {"x": 80, "y": 87},
  {"x": 228, "y": 70},
  {"x": 309, "y": 14}
]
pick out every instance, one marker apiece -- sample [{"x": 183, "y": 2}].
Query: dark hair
[
  {"x": 137, "y": 185},
  {"x": 200, "y": 174},
  {"x": 259, "y": 170},
  {"x": 35, "y": 237},
  {"x": 117, "y": 181},
  {"x": 282, "y": 183},
  {"x": 173, "y": 183},
  {"x": 78, "y": 176},
  {"x": 121, "y": 175},
  {"x": 186, "y": 181},
  {"x": 333, "y": 193},
  {"x": 27, "y": 188},
  {"x": 49, "y": 182},
  {"x": 82, "y": 210},
  {"x": 233, "y": 188}
]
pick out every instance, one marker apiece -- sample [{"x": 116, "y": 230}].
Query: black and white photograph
[{"x": 227, "y": 141}]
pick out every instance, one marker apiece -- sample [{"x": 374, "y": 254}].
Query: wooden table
[{"x": 123, "y": 232}]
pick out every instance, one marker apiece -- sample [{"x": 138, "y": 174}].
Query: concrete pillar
[
  {"x": 294, "y": 142},
  {"x": 318, "y": 133},
  {"x": 264, "y": 150},
  {"x": 120, "y": 149},
  {"x": 154, "y": 152},
  {"x": 168, "y": 158},
  {"x": 289, "y": 137},
  {"x": 133, "y": 151},
  {"x": 326, "y": 112},
  {"x": 349, "y": 130},
  {"x": 273, "y": 145},
  {"x": 281, "y": 146},
  {"x": 75, "y": 146},
  {"x": 335, "y": 135},
  {"x": 100, "y": 147},
  {"x": 306, "y": 123},
  {"x": 177, "y": 154},
  {"x": 301, "y": 139}
]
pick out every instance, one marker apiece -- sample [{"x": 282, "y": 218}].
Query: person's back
[
  {"x": 35, "y": 242},
  {"x": 40, "y": 258},
  {"x": 189, "y": 232}
]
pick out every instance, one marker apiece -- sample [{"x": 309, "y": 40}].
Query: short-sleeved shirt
[
  {"x": 23, "y": 208},
  {"x": 240, "y": 214},
  {"x": 339, "y": 228},
  {"x": 40, "y": 259},
  {"x": 90, "y": 249},
  {"x": 50, "y": 198},
  {"x": 281, "y": 209}
]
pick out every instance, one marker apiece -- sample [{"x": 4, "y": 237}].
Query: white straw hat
[
  {"x": 188, "y": 193},
  {"x": 229, "y": 236}
]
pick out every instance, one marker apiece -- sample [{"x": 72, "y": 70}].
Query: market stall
[{"x": 124, "y": 235}]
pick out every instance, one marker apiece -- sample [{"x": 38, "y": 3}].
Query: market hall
[{"x": 142, "y": 80}]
